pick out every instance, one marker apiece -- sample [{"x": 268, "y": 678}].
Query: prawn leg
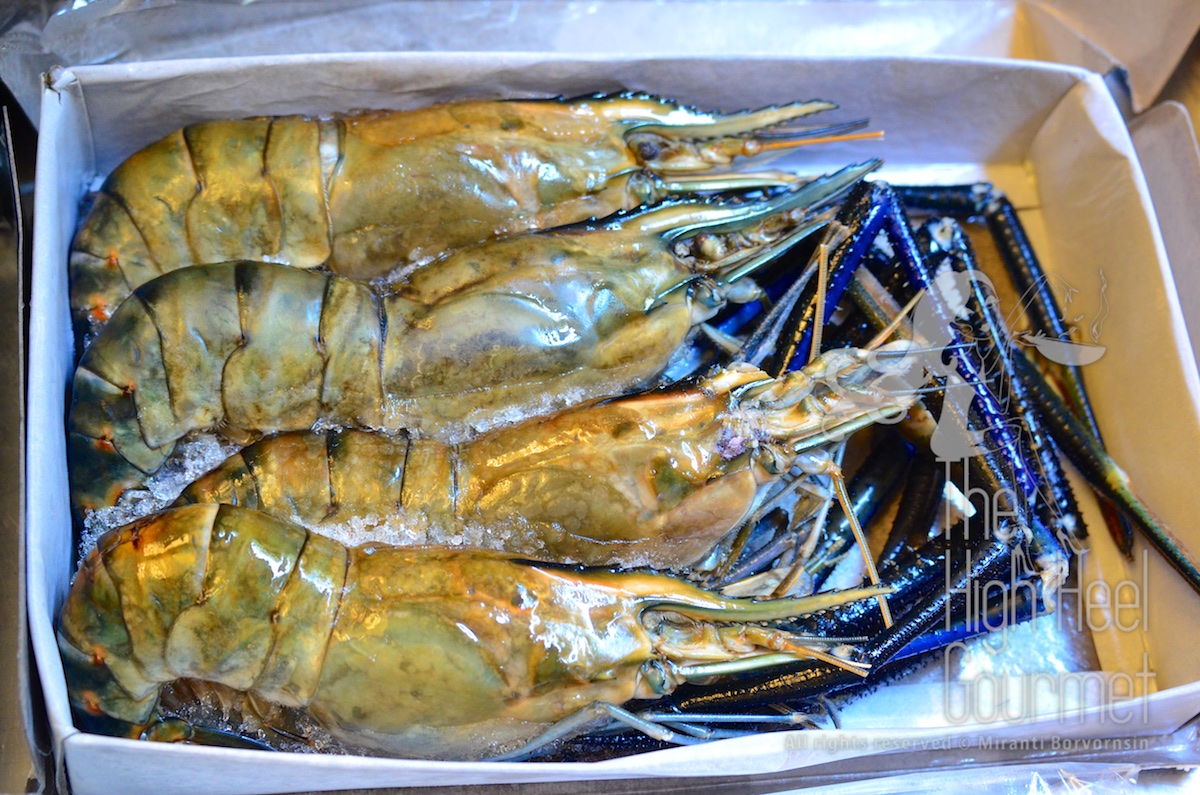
[
  {"x": 1051, "y": 556},
  {"x": 871, "y": 487},
  {"x": 813, "y": 680},
  {"x": 595, "y": 716}
]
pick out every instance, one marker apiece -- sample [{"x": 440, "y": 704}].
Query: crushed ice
[{"x": 193, "y": 456}]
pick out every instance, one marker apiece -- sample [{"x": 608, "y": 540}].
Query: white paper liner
[{"x": 1146, "y": 40}]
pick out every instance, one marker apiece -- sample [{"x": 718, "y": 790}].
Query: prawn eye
[
  {"x": 706, "y": 294},
  {"x": 648, "y": 147},
  {"x": 655, "y": 677},
  {"x": 770, "y": 460},
  {"x": 644, "y": 188}
]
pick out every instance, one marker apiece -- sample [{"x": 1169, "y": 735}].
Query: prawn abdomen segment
[
  {"x": 350, "y": 340},
  {"x": 155, "y": 186},
  {"x": 235, "y": 211},
  {"x": 298, "y": 160},
  {"x": 307, "y": 605},
  {"x": 207, "y": 592},
  {"x": 228, "y": 634},
  {"x": 272, "y": 381},
  {"x": 196, "y": 315},
  {"x": 126, "y": 394},
  {"x": 108, "y": 255},
  {"x": 102, "y": 673}
]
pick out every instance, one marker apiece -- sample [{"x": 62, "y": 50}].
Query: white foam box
[{"x": 1050, "y": 136}]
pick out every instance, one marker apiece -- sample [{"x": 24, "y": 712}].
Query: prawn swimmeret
[
  {"x": 371, "y": 193},
  {"x": 380, "y": 644}
]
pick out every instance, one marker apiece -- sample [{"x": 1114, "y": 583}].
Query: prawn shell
[
  {"x": 499, "y": 663},
  {"x": 157, "y": 566},
  {"x": 272, "y": 381},
  {"x": 235, "y": 208},
  {"x": 205, "y": 591},
  {"x": 92, "y": 630},
  {"x": 502, "y": 168},
  {"x": 197, "y": 320},
  {"x": 309, "y": 600},
  {"x": 99, "y": 474},
  {"x": 307, "y": 460},
  {"x": 366, "y": 472},
  {"x": 106, "y": 433},
  {"x": 223, "y": 635},
  {"x": 232, "y": 482},
  {"x": 351, "y": 335},
  {"x": 135, "y": 368},
  {"x": 108, "y": 256},
  {"x": 636, "y": 481},
  {"x": 264, "y": 348},
  {"x": 155, "y": 186},
  {"x": 347, "y": 474},
  {"x": 578, "y": 300},
  {"x": 295, "y": 168}
]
